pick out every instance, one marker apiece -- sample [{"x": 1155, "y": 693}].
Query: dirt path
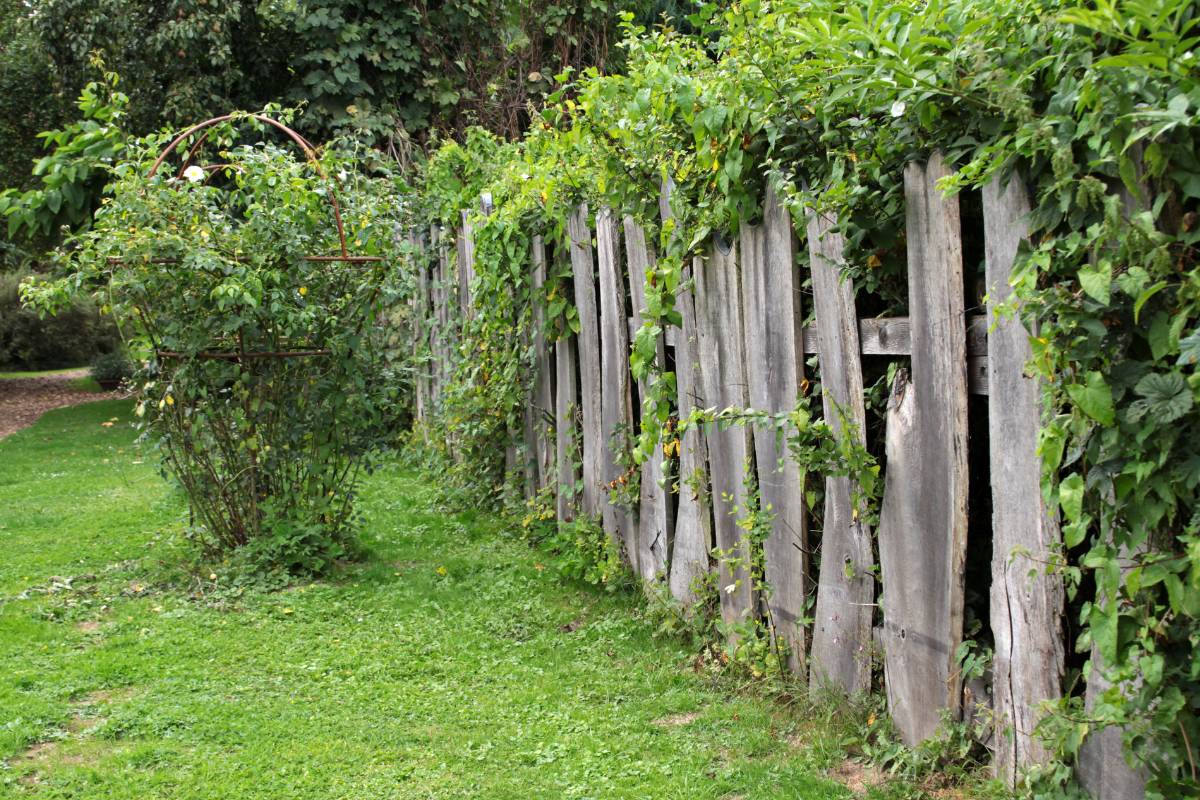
[{"x": 23, "y": 400}]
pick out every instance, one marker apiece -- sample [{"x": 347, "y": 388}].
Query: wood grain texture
[
  {"x": 543, "y": 389},
  {"x": 923, "y": 523},
  {"x": 1026, "y": 600},
  {"x": 587, "y": 351},
  {"x": 693, "y": 541},
  {"x": 616, "y": 407},
  {"x": 654, "y": 522},
  {"x": 566, "y": 401},
  {"x": 845, "y": 588},
  {"x": 723, "y": 373},
  {"x": 466, "y": 264},
  {"x": 772, "y": 316}
]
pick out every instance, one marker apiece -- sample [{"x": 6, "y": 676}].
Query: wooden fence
[{"x": 743, "y": 345}]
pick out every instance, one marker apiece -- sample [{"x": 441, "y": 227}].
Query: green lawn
[
  {"x": 122, "y": 678},
  {"x": 44, "y": 373}
]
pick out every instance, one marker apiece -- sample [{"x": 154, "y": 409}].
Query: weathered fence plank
[
  {"x": 1026, "y": 599},
  {"x": 923, "y": 524},
  {"x": 420, "y": 325},
  {"x": 444, "y": 316},
  {"x": 775, "y": 366},
  {"x": 543, "y": 397},
  {"x": 654, "y": 511},
  {"x": 845, "y": 587},
  {"x": 466, "y": 264},
  {"x": 723, "y": 371},
  {"x": 616, "y": 407},
  {"x": 587, "y": 351},
  {"x": 693, "y": 516},
  {"x": 566, "y": 401}
]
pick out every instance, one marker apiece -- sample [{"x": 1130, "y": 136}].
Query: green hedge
[{"x": 73, "y": 338}]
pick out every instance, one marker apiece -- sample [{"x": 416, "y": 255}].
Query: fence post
[
  {"x": 542, "y": 400},
  {"x": 566, "y": 400},
  {"x": 616, "y": 409},
  {"x": 923, "y": 524},
  {"x": 654, "y": 511},
  {"x": 587, "y": 351},
  {"x": 775, "y": 366},
  {"x": 845, "y": 587},
  {"x": 723, "y": 372},
  {"x": 1026, "y": 598}
]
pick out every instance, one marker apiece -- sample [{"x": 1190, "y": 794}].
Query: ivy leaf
[
  {"x": 1189, "y": 350},
  {"x": 1097, "y": 283},
  {"x": 1165, "y": 397},
  {"x": 1094, "y": 398}
]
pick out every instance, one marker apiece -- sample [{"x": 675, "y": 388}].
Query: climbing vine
[{"x": 1094, "y": 105}]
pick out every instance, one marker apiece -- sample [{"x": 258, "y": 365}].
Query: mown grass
[
  {"x": 444, "y": 665},
  {"x": 44, "y": 373}
]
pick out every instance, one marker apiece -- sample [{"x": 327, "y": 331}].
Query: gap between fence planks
[
  {"x": 1026, "y": 598},
  {"x": 923, "y": 520},
  {"x": 772, "y": 315},
  {"x": 845, "y": 589}
]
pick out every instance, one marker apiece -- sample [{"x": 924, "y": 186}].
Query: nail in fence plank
[
  {"x": 775, "y": 366},
  {"x": 723, "y": 371},
  {"x": 583, "y": 270},
  {"x": 845, "y": 588},
  {"x": 923, "y": 524},
  {"x": 543, "y": 398},
  {"x": 616, "y": 412},
  {"x": 653, "y": 509},
  {"x": 1026, "y": 600},
  {"x": 566, "y": 401},
  {"x": 693, "y": 516}
]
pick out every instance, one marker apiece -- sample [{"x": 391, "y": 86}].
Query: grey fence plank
[
  {"x": 653, "y": 517},
  {"x": 923, "y": 524},
  {"x": 420, "y": 324},
  {"x": 693, "y": 539},
  {"x": 723, "y": 371},
  {"x": 1026, "y": 599},
  {"x": 771, "y": 307},
  {"x": 587, "y": 351},
  {"x": 616, "y": 408},
  {"x": 566, "y": 401},
  {"x": 466, "y": 264},
  {"x": 845, "y": 587},
  {"x": 543, "y": 397}
]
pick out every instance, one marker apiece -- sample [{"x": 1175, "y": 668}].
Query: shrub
[
  {"x": 111, "y": 367},
  {"x": 258, "y": 386},
  {"x": 73, "y": 337}
]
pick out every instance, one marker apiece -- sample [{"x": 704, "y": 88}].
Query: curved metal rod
[{"x": 310, "y": 154}]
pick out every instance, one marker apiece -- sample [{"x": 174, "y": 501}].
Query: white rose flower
[
  {"x": 194, "y": 174},
  {"x": 898, "y": 108}
]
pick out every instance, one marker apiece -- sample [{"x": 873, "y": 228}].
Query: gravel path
[{"x": 23, "y": 400}]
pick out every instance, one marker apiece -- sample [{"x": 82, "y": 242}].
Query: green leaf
[
  {"x": 1189, "y": 350},
  {"x": 1097, "y": 283},
  {"x": 1094, "y": 398},
  {"x": 1165, "y": 397},
  {"x": 1070, "y": 497}
]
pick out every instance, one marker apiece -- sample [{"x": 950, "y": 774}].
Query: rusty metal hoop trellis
[{"x": 205, "y": 129}]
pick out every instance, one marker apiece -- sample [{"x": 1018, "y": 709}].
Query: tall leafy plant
[{"x": 259, "y": 382}]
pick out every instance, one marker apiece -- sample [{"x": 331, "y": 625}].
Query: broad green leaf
[
  {"x": 1164, "y": 397},
  {"x": 1097, "y": 283},
  {"x": 1094, "y": 398}
]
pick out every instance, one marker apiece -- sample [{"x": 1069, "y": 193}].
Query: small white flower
[
  {"x": 343, "y": 175},
  {"x": 731, "y": 588},
  {"x": 898, "y": 108},
  {"x": 194, "y": 174}
]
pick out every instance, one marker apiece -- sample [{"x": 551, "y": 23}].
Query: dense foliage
[
  {"x": 74, "y": 336},
  {"x": 263, "y": 382},
  {"x": 1093, "y": 105}
]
